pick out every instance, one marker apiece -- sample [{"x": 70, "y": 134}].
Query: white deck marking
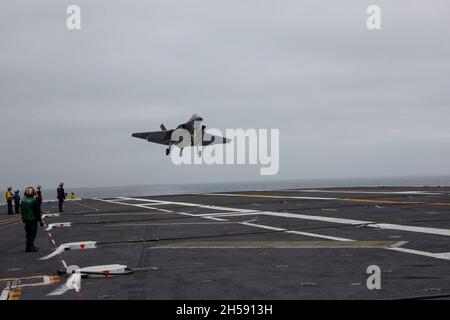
[
  {"x": 267, "y": 196},
  {"x": 399, "y": 227},
  {"x": 146, "y": 213},
  {"x": 366, "y": 192},
  {"x": 158, "y": 204},
  {"x": 398, "y": 244},
  {"x": 237, "y": 214},
  {"x": 370, "y": 224},
  {"x": 214, "y": 216},
  {"x": 316, "y": 218},
  {"x": 122, "y": 224},
  {"x": 263, "y": 226},
  {"x": 263, "y": 196},
  {"x": 278, "y": 214},
  {"x": 189, "y": 204},
  {"x": 319, "y": 236},
  {"x": 226, "y": 214},
  {"x": 153, "y": 208},
  {"x": 215, "y": 219},
  {"x": 443, "y": 256},
  {"x": 5, "y": 293},
  {"x": 442, "y": 232},
  {"x": 140, "y": 205}
]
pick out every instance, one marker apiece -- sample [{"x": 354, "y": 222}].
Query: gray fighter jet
[{"x": 195, "y": 129}]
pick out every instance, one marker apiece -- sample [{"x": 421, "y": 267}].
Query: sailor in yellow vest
[
  {"x": 9, "y": 200},
  {"x": 31, "y": 216}
]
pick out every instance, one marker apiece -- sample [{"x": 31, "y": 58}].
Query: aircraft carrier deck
[{"x": 282, "y": 244}]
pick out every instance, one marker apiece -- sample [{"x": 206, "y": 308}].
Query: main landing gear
[{"x": 168, "y": 151}]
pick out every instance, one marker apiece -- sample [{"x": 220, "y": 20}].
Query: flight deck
[{"x": 280, "y": 244}]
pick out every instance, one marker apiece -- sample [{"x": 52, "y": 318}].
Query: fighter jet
[{"x": 198, "y": 136}]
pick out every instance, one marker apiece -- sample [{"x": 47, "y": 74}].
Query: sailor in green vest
[{"x": 31, "y": 216}]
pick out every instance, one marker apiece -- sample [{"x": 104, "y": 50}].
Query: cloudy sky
[{"x": 349, "y": 102}]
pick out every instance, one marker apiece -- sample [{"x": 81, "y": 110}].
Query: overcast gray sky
[{"x": 349, "y": 102}]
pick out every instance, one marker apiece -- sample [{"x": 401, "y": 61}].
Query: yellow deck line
[
  {"x": 9, "y": 220},
  {"x": 16, "y": 291},
  {"x": 256, "y": 196},
  {"x": 9, "y": 225},
  {"x": 54, "y": 279},
  {"x": 342, "y": 199},
  {"x": 15, "y": 294}
]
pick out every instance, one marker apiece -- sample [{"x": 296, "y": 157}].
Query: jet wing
[
  {"x": 212, "y": 139},
  {"x": 161, "y": 137},
  {"x": 164, "y": 137}
]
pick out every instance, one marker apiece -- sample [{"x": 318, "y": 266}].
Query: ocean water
[{"x": 170, "y": 189}]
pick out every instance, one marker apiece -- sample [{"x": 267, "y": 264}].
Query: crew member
[
  {"x": 61, "y": 196},
  {"x": 9, "y": 200},
  {"x": 39, "y": 197},
  {"x": 17, "y": 201},
  {"x": 31, "y": 216}
]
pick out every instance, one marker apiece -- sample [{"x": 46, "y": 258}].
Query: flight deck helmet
[{"x": 30, "y": 192}]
